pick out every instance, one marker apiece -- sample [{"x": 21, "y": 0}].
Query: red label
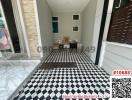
[{"x": 122, "y": 72}]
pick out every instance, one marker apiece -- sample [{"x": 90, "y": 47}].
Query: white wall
[
  {"x": 45, "y": 16},
  {"x": 66, "y": 24},
  {"x": 0, "y": 54},
  {"x": 91, "y": 17},
  {"x": 117, "y": 57},
  {"x": 107, "y": 23},
  {"x": 19, "y": 27}
]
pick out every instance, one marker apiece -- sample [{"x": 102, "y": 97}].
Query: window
[
  {"x": 75, "y": 17},
  {"x": 75, "y": 28},
  {"x": 120, "y": 3},
  {"x": 54, "y": 18},
  {"x": 55, "y": 24},
  {"x": 121, "y": 25},
  {"x": 55, "y": 27}
]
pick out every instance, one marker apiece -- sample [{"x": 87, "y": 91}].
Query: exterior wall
[
  {"x": 30, "y": 23},
  {"x": 117, "y": 57}
]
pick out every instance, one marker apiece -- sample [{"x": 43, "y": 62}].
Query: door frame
[
  {"x": 22, "y": 22},
  {"x": 18, "y": 26},
  {"x": 104, "y": 32},
  {"x": 101, "y": 33},
  {"x": 6, "y": 26}
]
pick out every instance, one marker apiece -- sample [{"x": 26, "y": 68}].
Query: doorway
[{"x": 9, "y": 16}]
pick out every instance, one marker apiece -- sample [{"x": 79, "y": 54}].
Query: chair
[{"x": 66, "y": 39}]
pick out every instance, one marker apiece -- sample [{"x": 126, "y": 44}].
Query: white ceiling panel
[{"x": 67, "y": 5}]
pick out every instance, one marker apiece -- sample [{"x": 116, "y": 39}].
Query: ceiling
[{"x": 67, "y": 5}]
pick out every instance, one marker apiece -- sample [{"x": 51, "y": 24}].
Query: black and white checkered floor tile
[
  {"x": 68, "y": 56},
  {"x": 59, "y": 83}
]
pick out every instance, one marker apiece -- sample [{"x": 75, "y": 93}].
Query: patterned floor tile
[{"x": 61, "y": 83}]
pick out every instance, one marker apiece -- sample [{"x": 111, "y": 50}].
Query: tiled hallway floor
[{"x": 57, "y": 83}]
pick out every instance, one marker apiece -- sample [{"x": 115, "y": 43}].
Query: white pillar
[
  {"x": 0, "y": 54},
  {"x": 107, "y": 23}
]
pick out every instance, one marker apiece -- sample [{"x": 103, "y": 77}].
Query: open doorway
[{"x": 76, "y": 23}]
